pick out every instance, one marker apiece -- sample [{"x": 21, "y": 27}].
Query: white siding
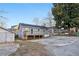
[
  {"x": 10, "y": 37},
  {"x": 35, "y": 31},
  {"x": 2, "y": 37},
  {"x": 6, "y": 36}
]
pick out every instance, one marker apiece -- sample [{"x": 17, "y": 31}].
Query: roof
[
  {"x": 14, "y": 26},
  {"x": 5, "y": 29},
  {"x": 32, "y": 25}
]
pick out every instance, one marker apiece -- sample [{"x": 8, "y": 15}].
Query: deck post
[
  {"x": 39, "y": 36},
  {"x": 26, "y": 37},
  {"x": 34, "y": 36}
]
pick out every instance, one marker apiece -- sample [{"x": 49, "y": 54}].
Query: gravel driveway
[{"x": 61, "y": 45}]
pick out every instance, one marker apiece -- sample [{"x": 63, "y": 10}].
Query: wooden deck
[{"x": 30, "y": 37}]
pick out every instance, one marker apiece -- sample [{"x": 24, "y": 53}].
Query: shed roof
[{"x": 5, "y": 29}]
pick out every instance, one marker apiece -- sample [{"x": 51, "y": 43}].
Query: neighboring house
[
  {"x": 6, "y": 36},
  {"x": 61, "y": 31},
  {"x": 14, "y": 29},
  {"x": 27, "y": 31}
]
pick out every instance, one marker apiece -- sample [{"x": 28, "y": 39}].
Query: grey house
[
  {"x": 6, "y": 36},
  {"x": 27, "y": 31}
]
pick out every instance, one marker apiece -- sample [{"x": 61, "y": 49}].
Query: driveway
[
  {"x": 61, "y": 45},
  {"x": 8, "y": 48},
  {"x": 52, "y": 46}
]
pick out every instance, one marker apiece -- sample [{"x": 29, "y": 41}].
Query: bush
[
  {"x": 77, "y": 33},
  {"x": 16, "y": 36}
]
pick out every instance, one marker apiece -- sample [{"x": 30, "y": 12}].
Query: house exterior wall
[
  {"x": 21, "y": 32},
  {"x": 6, "y": 36},
  {"x": 36, "y": 31}
]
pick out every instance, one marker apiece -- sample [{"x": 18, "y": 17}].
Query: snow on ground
[{"x": 61, "y": 45}]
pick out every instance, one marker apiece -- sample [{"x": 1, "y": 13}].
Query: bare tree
[
  {"x": 50, "y": 18},
  {"x": 2, "y": 18},
  {"x": 36, "y": 21},
  {"x": 51, "y": 22},
  {"x": 48, "y": 21}
]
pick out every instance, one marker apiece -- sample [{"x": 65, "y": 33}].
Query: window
[
  {"x": 43, "y": 30},
  {"x": 31, "y": 31},
  {"x": 38, "y": 29}
]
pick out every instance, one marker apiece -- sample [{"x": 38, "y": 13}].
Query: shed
[{"x": 6, "y": 36}]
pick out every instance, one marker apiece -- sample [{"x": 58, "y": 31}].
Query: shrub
[
  {"x": 77, "y": 33},
  {"x": 16, "y": 37}
]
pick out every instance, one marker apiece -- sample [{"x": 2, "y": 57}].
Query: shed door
[
  {"x": 6, "y": 37},
  {"x": 2, "y": 36},
  {"x": 10, "y": 37}
]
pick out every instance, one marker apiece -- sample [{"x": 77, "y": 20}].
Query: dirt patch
[
  {"x": 30, "y": 49},
  {"x": 8, "y": 48}
]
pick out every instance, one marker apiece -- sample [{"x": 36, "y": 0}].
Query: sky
[{"x": 24, "y": 13}]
